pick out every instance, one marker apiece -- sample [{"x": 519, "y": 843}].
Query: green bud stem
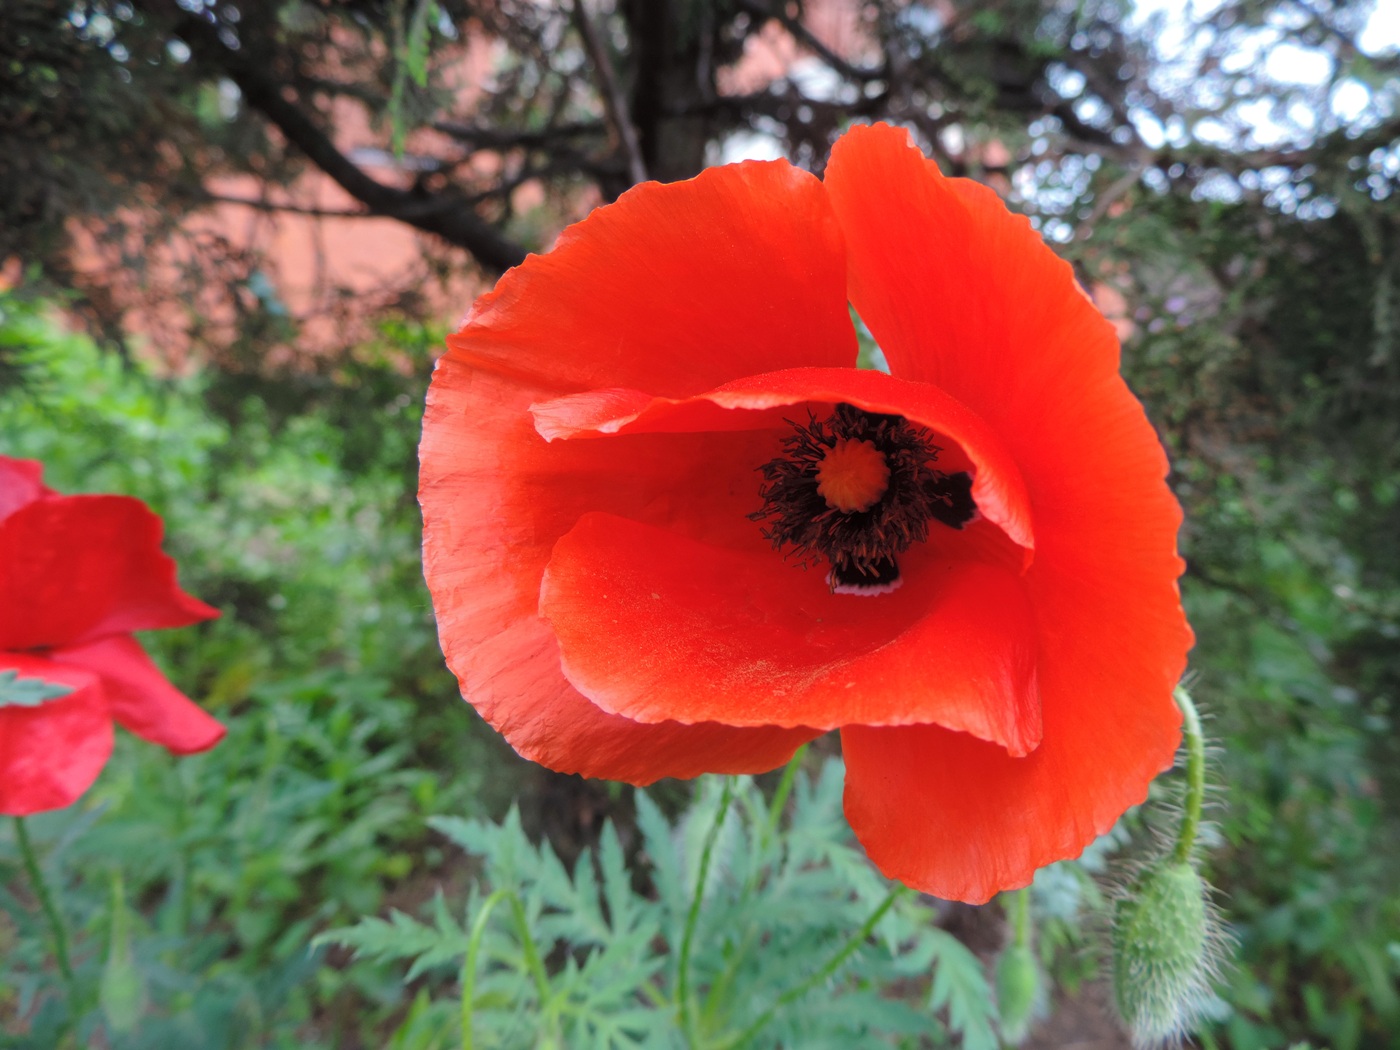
[
  {"x": 1018, "y": 911},
  {"x": 1195, "y": 777},
  {"x": 1018, "y": 982}
]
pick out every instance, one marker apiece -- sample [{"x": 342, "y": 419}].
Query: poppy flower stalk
[{"x": 638, "y": 442}]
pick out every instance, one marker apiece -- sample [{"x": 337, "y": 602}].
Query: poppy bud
[
  {"x": 1019, "y": 992},
  {"x": 1162, "y": 949},
  {"x": 121, "y": 993}
]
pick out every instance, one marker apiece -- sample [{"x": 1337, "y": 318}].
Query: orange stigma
[{"x": 853, "y": 476}]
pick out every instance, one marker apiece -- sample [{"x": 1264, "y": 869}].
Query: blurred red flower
[
  {"x": 78, "y": 574},
  {"x": 637, "y": 442}
]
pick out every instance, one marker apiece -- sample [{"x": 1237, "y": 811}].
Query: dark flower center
[{"x": 857, "y": 489}]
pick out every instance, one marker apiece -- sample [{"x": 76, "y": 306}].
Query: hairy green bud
[
  {"x": 1162, "y": 951},
  {"x": 1019, "y": 992}
]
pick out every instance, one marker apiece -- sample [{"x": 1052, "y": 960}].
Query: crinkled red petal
[
  {"x": 675, "y": 288},
  {"x": 141, "y": 698},
  {"x": 77, "y": 568},
  {"x": 958, "y": 818},
  {"x": 963, "y": 294},
  {"x": 654, "y": 626},
  {"x": 764, "y": 401},
  {"x": 50, "y": 754},
  {"x": 495, "y": 499}
]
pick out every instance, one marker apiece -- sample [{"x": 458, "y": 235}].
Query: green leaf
[
  {"x": 960, "y": 986},
  {"x": 29, "y": 692}
]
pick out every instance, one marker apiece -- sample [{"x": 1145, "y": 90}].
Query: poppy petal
[
  {"x": 997, "y": 486},
  {"x": 141, "y": 698},
  {"x": 960, "y": 819},
  {"x": 957, "y": 290},
  {"x": 676, "y": 288},
  {"x": 655, "y": 626},
  {"x": 961, "y": 293},
  {"x": 21, "y": 483},
  {"x": 492, "y": 511},
  {"x": 965, "y": 295},
  {"x": 515, "y": 683},
  {"x": 50, "y": 754},
  {"x": 76, "y": 568}
]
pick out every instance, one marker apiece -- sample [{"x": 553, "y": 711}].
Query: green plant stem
[
  {"x": 683, "y": 1003},
  {"x": 533, "y": 962},
  {"x": 469, "y": 964},
  {"x": 41, "y": 890},
  {"x": 832, "y": 965},
  {"x": 532, "y": 957},
  {"x": 1018, "y": 911},
  {"x": 1195, "y": 777},
  {"x": 780, "y": 796}
]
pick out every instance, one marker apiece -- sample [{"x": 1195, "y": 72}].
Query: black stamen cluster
[{"x": 860, "y": 546}]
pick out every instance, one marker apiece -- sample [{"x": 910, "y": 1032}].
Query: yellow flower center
[{"x": 853, "y": 476}]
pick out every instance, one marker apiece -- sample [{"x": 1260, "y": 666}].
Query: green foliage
[
  {"x": 549, "y": 957},
  {"x": 28, "y": 692},
  {"x": 194, "y": 885}
]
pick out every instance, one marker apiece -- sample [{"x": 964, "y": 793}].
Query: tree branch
[
  {"x": 445, "y": 214},
  {"x": 497, "y": 138},
  {"x": 275, "y": 206},
  {"x": 613, "y": 100}
]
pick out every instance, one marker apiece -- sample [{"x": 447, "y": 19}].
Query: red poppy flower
[
  {"x": 78, "y": 574},
  {"x": 638, "y": 443}
]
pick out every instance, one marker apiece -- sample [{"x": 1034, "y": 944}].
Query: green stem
[
  {"x": 832, "y": 965},
  {"x": 180, "y": 887},
  {"x": 1195, "y": 777},
  {"x": 780, "y": 797},
  {"x": 533, "y": 962},
  {"x": 41, "y": 890},
  {"x": 469, "y": 965},
  {"x": 1018, "y": 912},
  {"x": 719, "y": 989},
  {"x": 687, "y": 1010}
]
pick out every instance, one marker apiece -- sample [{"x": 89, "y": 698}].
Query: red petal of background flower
[
  {"x": 51, "y": 754},
  {"x": 76, "y": 568},
  {"x": 676, "y": 288},
  {"x": 495, "y": 498},
  {"x": 141, "y": 698},
  {"x": 961, "y": 293},
  {"x": 654, "y": 626},
  {"x": 21, "y": 483}
]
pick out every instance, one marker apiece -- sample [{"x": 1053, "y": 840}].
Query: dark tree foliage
[
  {"x": 114, "y": 108},
  {"x": 1235, "y": 179}
]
